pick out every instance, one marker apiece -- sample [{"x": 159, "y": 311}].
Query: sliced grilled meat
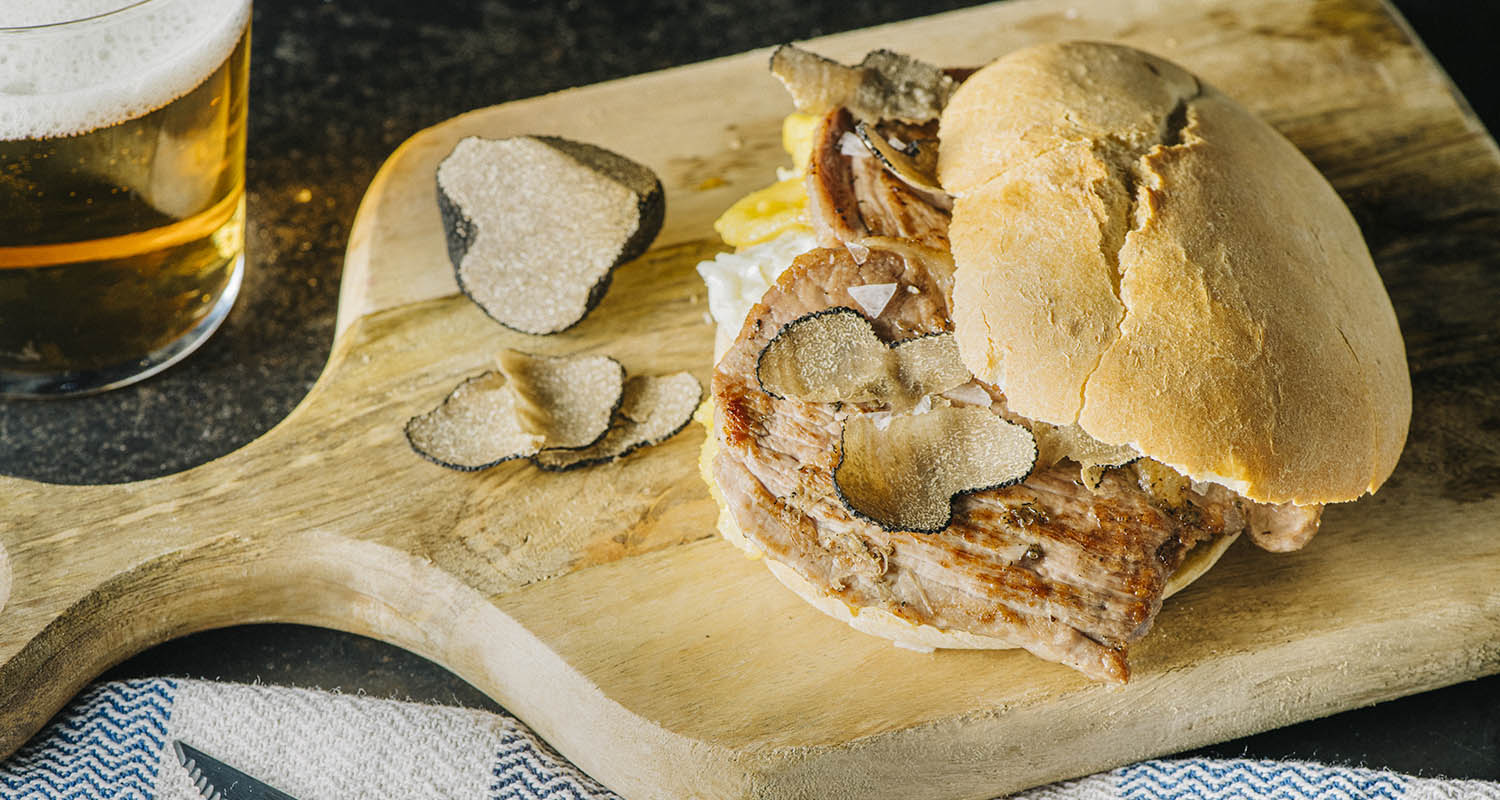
[
  {"x": 830, "y": 184},
  {"x": 854, "y": 196}
]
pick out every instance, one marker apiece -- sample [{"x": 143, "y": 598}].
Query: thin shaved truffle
[
  {"x": 1056, "y": 442},
  {"x": 569, "y": 400},
  {"x": 904, "y": 477},
  {"x": 536, "y": 224},
  {"x": 929, "y": 365},
  {"x": 475, "y": 427},
  {"x": 655, "y": 408},
  {"x": 830, "y": 356},
  {"x": 835, "y": 356},
  {"x": 529, "y": 403},
  {"x": 885, "y": 85}
]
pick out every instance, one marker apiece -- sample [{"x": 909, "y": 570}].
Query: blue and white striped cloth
[{"x": 114, "y": 741}]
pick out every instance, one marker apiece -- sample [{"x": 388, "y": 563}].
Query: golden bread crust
[{"x": 1139, "y": 254}]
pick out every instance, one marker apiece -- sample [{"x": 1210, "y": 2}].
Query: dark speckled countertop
[{"x": 336, "y": 86}]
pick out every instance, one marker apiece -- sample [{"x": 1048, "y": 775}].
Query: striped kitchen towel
[{"x": 114, "y": 741}]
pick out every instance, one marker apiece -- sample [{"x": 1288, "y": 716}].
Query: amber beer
[{"x": 121, "y": 187}]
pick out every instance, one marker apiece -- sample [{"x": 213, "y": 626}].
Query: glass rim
[{"x": 45, "y": 26}]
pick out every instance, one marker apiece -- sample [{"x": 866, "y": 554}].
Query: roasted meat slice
[{"x": 851, "y": 195}]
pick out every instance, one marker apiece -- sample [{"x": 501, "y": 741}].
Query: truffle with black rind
[
  {"x": 531, "y": 403},
  {"x": 628, "y": 433},
  {"x": 569, "y": 400},
  {"x": 1019, "y": 445},
  {"x": 651, "y": 199},
  {"x": 768, "y": 354},
  {"x": 929, "y": 363},
  {"x": 442, "y": 434},
  {"x": 898, "y": 374},
  {"x": 461, "y": 230}
]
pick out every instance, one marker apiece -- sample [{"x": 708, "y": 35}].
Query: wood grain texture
[{"x": 599, "y": 607}]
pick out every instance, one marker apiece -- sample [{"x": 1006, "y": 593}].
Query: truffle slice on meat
[
  {"x": 835, "y": 356},
  {"x": 904, "y": 167},
  {"x": 904, "y": 477},
  {"x": 829, "y": 356},
  {"x": 536, "y": 224}
]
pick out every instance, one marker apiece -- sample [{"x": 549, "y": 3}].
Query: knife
[{"x": 216, "y": 780}]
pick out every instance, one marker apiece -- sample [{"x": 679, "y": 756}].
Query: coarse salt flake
[
  {"x": 873, "y": 297},
  {"x": 850, "y": 145}
]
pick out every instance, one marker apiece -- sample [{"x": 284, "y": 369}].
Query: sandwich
[{"x": 1012, "y": 355}]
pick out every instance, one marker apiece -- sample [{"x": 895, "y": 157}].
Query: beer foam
[{"x": 70, "y": 79}]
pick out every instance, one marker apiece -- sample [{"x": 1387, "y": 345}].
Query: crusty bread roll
[{"x": 1140, "y": 255}]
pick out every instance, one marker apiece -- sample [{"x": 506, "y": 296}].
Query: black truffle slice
[
  {"x": 903, "y": 166},
  {"x": 834, "y": 356},
  {"x": 569, "y": 400},
  {"x": 529, "y": 403},
  {"x": 1056, "y": 442},
  {"x": 885, "y": 85},
  {"x": 655, "y": 408},
  {"x": 475, "y": 427},
  {"x": 536, "y": 224},
  {"x": 828, "y": 356},
  {"x": 904, "y": 477},
  {"x": 929, "y": 365}
]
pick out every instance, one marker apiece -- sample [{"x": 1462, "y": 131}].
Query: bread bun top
[{"x": 1139, "y": 254}]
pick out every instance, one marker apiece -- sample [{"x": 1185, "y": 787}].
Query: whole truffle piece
[{"x": 536, "y": 224}]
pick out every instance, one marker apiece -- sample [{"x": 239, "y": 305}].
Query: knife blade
[{"x": 216, "y": 780}]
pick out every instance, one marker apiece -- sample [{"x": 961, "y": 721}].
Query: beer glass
[{"x": 122, "y": 184}]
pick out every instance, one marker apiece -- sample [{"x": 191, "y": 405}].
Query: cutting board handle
[{"x": 311, "y": 578}]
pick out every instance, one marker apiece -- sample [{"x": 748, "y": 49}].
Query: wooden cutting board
[{"x": 600, "y": 607}]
